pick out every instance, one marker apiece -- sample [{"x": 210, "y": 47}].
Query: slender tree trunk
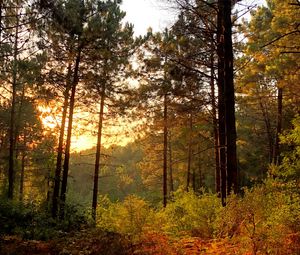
[
  {"x": 188, "y": 181},
  {"x": 200, "y": 168},
  {"x": 69, "y": 135},
  {"x": 18, "y": 116},
  {"x": 11, "y": 170},
  {"x": 171, "y": 181},
  {"x": 232, "y": 171},
  {"x": 1, "y": 3},
  {"x": 194, "y": 179},
  {"x": 21, "y": 193},
  {"x": 276, "y": 157},
  {"x": 98, "y": 154},
  {"x": 49, "y": 189},
  {"x": 215, "y": 121},
  {"x": 221, "y": 102},
  {"x": 55, "y": 197},
  {"x": 268, "y": 129},
  {"x": 165, "y": 167}
]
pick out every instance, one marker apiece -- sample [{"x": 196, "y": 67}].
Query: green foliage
[
  {"x": 191, "y": 214},
  {"x": 290, "y": 167},
  {"x": 187, "y": 214},
  {"x": 13, "y": 216},
  {"x": 130, "y": 217},
  {"x": 269, "y": 64},
  {"x": 32, "y": 221},
  {"x": 265, "y": 220}
]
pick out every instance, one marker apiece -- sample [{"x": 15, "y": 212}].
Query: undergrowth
[
  {"x": 32, "y": 221},
  {"x": 265, "y": 220}
]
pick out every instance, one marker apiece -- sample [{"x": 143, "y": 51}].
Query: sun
[
  {"x": 81, "y": 138},
  {"x": 83, "y": 142},
  {"x": 84, "y": 136}
]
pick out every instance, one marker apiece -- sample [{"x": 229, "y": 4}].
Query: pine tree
[{"x": 19, "y": 68}]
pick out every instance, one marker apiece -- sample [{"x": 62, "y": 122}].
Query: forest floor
[{"x": 105, "y": 243}]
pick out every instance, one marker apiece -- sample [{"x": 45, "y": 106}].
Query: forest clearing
[{"x": 182, "y": 141}]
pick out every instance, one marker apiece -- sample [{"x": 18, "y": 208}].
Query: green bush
[
  {"x": 191, "y": 214},
  {"x": 129, "y": 217},
  {"x": 14, "y": 217},
  {"x": 188, "y": 214},
  {"x": 32, "y": 221},
  {"x": 265, "y": 220}
]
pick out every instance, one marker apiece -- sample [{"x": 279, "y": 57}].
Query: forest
[{"x": 179, "y": 142}]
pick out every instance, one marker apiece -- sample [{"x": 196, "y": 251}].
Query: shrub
[
  {"x": 15, "y": 217},
  {"x": 262, "y": 220},
  {"x": 31, "y": 221},
  {"x": 130, "y": 217},
  {"x": 191, "y": 214}
]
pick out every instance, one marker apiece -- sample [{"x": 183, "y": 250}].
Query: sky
[
  {"x": 148, "y": 13},
  {"x": 157, "y": 14}
]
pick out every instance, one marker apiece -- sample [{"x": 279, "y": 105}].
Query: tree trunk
[
  {"x": 188, "y": 181},
  {"x": 200, "y": 168},
  {"x": 171, "y": 181},
  {"x": 69, "y": 135},
  {"x": 21, "y": 193},
  {"x": 55, "y": 197},
  {"x": 221, "y": 102},
  {"x": 215, "y": 122},
  {"x": 232, "y": 171},
  {"x": 11, "y": 160},
  {"x": 18, "y": 116},
  {"x": 11, "y": 170},
  {"x": 276, "y": 156},
  {"x": 1, "y": 3},
  {"x": 165, "y": 167},
  {"x": 49, "y": 189},
  {"x": 98, "y": 154},
  {"x": 194, "y": 179},
  {"x": 268, "y": 128}
]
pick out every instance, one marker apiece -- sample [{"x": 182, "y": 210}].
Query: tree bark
[
  {"x": 221, "y": 102},
  {"x": 276, "y": 156},
  {"x": 215, "y": 121},
  {"x": 165, "y": 159},
  {"x": 194, "y": 179},
  {"x": 1, "y": 3},
  {"x": 69, "y": 135},
  {"x": 21, "y": 192},
  {"x": 268, "y": 128},
  {"x": 11, "y": 170},
  {"x": 171, "y": 181},
  {"x": 200, "y": 168},
  {"x": 98, "y": 154},
  {"x": 11, "y": 160},
  {"x": 232, "y": 171},
  {"x": 55, "y": 197},
  {"x": 189, "y": 162}
]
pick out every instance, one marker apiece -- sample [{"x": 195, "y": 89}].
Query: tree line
[{"x": 201, "y": 82}]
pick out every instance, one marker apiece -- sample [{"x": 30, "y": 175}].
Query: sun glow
[
  {"x": 84, "y": 130},
  {"x": 83, "y": 142}
]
